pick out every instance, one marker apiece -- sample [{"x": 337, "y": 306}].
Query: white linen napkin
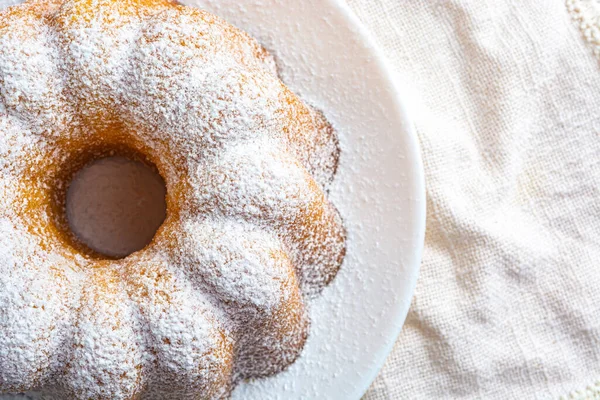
[{"x": 505, "y": 95}]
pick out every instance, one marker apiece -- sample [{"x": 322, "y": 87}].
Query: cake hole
[{"x": 115, "y": 205}]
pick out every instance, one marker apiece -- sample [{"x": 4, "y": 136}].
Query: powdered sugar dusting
[
  {"x": 37, "y": 290},
  {"x": 326, "y": 57},
  {"x": 189, "y": 347},
  {"x": 104, "y": 357},
  {"x": 217, "y": 297}
]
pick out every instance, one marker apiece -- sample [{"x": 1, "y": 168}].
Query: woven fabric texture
[{"x": 505, "y": 96}]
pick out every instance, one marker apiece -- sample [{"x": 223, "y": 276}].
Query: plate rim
[
  {"x": 418, "y": 180},
  {"x": 398, "y": 106}
]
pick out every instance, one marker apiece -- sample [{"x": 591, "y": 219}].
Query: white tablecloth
[{"x": 505, "y": 95}]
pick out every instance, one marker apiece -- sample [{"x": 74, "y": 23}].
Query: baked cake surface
[{"x": 219, "y": 294}]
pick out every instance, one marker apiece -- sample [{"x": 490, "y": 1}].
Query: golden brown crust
[{"x": 219, "y": 294}]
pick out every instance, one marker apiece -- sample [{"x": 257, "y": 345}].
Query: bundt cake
[{"x": 219, "y": 294}]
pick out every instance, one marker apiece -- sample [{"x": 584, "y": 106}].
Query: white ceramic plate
[{"x": 330, "y": 60}]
